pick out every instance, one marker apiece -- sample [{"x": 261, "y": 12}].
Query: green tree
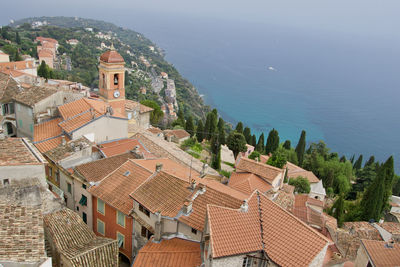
[
  {"x": 370, "y": 161},
  {"x": 287, "y": 145},
  {"x": 388, "y": 173},
  {"x": 255, "y": 155},
  {"x": 211, "y": 124},
  {"x": 157, "y": 114},
  {"x": 239, "y": 127},
  {"x": 17, "y": 38},
  {"x": 300, "y": 148},
  {"x": 236, "y": 142},
  {"x": 396, "y": 186},
  {"x": 277, "y": 159},
  {"x": 17, "y": 57},
  {"x": 221, "y": 131},
  {"x": 338, "y": 208},
  {"x": 253, "y": 140},
  {"x": 200, "y": 131},
  {"x": 357, "y": 165},
  {"x": 216, "y": 152},
  {"x": 260, "y": 145},
  {"x": 43, "y": 70},
  {"x": 272, "y": 142},
  {"x": 189, "y": 126},
  {"x": 301, "y": 185},
  {"x": 247, "y": 134},
  {"x": 343, "y": 159}
]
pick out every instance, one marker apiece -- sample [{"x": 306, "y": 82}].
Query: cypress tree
[
  {"x": 221, "y": 131},
  {"x": 370, "y": 161},
  {"x": 388, "y": 169},
  {"x": 239, "y": 127},
  {"x": 43, "y": 70},
  {"x": 17, "y": 38},
  {"x": 17, "y": 57},
  {"x": 207, "y": 133},
  {"x": 352, "y": 159},
  {"x": 358, "y": 163},
  {"x": 287, "y": 145},
  {"x": 253, "y": 141},
  {"x": 236, "y": 142},
  {"x": 372, "y": 201},
  {"x": 189, "y": 126},
  {"x": 339, "y": 210},
  {"x": 301, "y": 146},
  {"x": 200, "y": 131},
  {"x": 247, "y": 134},
  {"x": 272, "y": 142},
  {"x": 260, "y": 145}
]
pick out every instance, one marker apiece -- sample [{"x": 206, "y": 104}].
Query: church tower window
[{"x": 115, "y": 79}]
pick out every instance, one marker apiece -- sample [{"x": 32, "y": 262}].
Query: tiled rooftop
[
  {"x": 263, "y": 170},
  {"x": 391, "y": 227},
  {"x": 111, "y": 56},
  {"x": 33, "y": 95},
  {"x": 133, "y": 105},
  {"x": 18, "y": 151},
  {"x": 97, "y": 170},
  {"x": 178, "y": 133},
  {"x": 381, "y": 255},
  {"x": 116, "y": 187},
  {"x": 77, "y": 243},
  {"x": 63, "y": 151},
  {"x": 46, "y": 130},
  {"x": 164, "y": 149},
  {"x": 21, "y": 233},
  {"x": 8, "y": 88},
  {"x": 168, "y": 166},
  {"x": 122, "y": 146},
  {"x": 168, "y": 193},
  {"x": 174, "y": 252},
  {"x": 295, "y": 171},
  {"x": 248, "y": 182},
  {"x": 287, "y": 241}
]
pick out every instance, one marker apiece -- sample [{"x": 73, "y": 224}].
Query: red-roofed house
[
  {"x": 260, "y": 233},
  {"x": 378, "y": 254}
]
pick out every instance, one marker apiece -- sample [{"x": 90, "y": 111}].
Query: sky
[{"x": 377, "y": 17}]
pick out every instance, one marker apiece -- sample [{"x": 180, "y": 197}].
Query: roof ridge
[
  {"x": 75, "y": 116},
  {"x": 262, "y": 164}
]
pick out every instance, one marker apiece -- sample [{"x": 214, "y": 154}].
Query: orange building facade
[{"x": 107, "y": 223}]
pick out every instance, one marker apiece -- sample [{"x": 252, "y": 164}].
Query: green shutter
[
  {"x": 20, "y": 123},
  {"x": 100, "y": 227},
  {"x": 83, "y": 201}
]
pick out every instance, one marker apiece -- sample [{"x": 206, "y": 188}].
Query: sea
[{"x": 341, "y": 88}]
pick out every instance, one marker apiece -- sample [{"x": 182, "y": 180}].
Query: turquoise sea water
[{"x": 343, "y": 89}]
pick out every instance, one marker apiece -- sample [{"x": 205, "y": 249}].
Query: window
[
  {"x": 19, "y": 107},
  {"x": 30, "y": 112},
  {"x": 194, "y": 231},
  {"x": 77, "y": 208},
  {"x": 11, "y": 106},
  {"x": 144, "y": 210},
  {"x": 6, "y": 182},
  {"x": 247, "y": 262},
  {"x": 121, "y": 240},
  {"x": 146, "y": 233},
  {"x": 31, "y": 128},
  {"x": 100, "y": 206},
  {"x": 58, "y": 176},
  {"x": 69, "y": 188},
  {"x": 115, "y": 79},
  {"x": 84, "y": 186},
  {"x": 84, "y": 217},
  {"x": 129, "y": 115},
  {"x": 83, "y": 200},
  {"x": 50, "y": 172},
  {"x": 100, "y": 227},
  {"x": 120, "y": 218},
  {"x": 20, "y": 123}
]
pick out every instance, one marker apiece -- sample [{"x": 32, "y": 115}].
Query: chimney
[
  {"x": 245, "y": 206},
  {"x": 203, "y": 170},
  {"x": 159, "y": 167},
  {"x": 63, "y": 141},
  {"x": 136, "y": 152},
  {"x": 158, "y": 226},
  {"x": 390, "y": 244},
  {"x": 187, "y": 206},
  {"x": 193, "y": 184}
]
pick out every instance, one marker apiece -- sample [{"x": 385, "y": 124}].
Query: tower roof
[{"x": 111, "y": 56}]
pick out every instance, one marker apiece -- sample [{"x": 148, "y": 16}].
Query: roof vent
[
  {"x": 159, "y": 167},
  {"x": 127, "y": 173},
  {"x": 390, "y": 244},
  {"x": 245, "y": 206}
]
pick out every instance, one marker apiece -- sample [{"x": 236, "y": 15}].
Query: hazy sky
[{"x": 361, "y": 16}]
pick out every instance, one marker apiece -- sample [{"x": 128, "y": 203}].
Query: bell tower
[{"x": 112, "y": 76}]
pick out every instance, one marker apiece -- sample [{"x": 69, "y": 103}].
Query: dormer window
[
  {"x": 104, "y": 80},
  {"x": 115, "y": 79}
]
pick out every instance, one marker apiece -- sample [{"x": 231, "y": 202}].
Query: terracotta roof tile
[
  {"x": 46, "y": 130},
  {"x": 31, "y": 96},
  {"x": 45, "y": 53},
  {"x": 248, "y": 182},
  {"x": 381, "y": 255},
  {"x": 76, "y": 122},
  {"x": 169, "y": 166},
  {"x": 76, "y": 242},
  {"x": 155, "y": 130},
  {"x": 21, "y": 234},
  {"x": 174, "y": 252},
  {"x": 287, "y": 240},
  {"x": 99, "y": 169},
  {"x": 167, "y": 193},
  {"x": 179, "y": 133},
  {"x": 50, "y": 144},
  {"x": 16, "y": 65},
  {"x": 133, "y": 105},
  {"x": 123, "y": 146},
  {"x": 17, "y": 151},
  {"x": 295, "y": 171},
  {"x": 265, "y": 171},
  {"x": 111, "y": 56},
  {"x": 116, "y": 187},
  {"x": 391, "y": 227}
]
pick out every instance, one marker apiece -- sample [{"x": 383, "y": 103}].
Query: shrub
[{"x": 301, "y": 185}]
